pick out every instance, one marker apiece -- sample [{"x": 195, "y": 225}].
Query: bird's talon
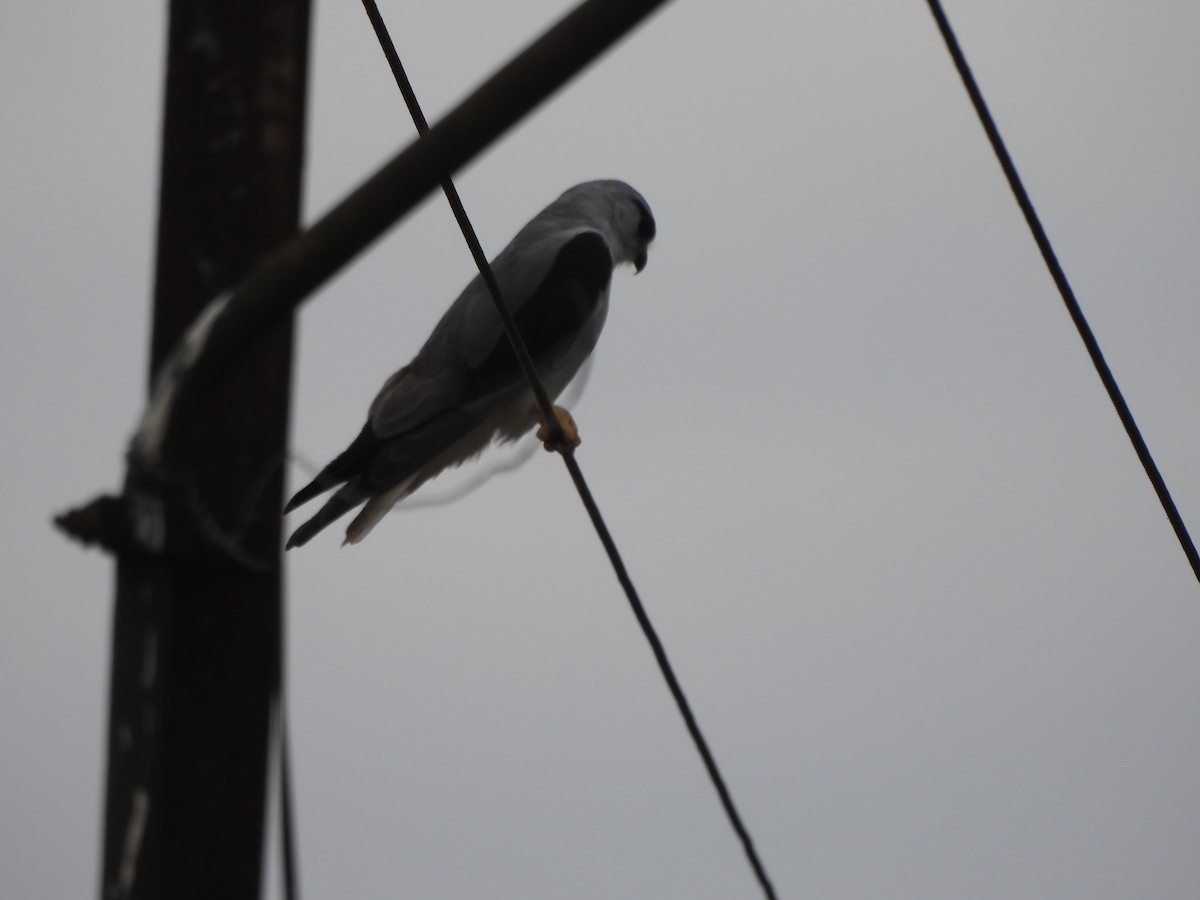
[{"x": 561, "y": 437}]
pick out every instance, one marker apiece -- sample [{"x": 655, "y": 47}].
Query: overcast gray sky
[{"x": 924, "y": 601}]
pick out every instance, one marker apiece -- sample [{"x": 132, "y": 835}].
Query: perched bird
[{"x": 465, "y": 388}]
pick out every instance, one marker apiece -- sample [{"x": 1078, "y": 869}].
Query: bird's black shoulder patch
[{"x": 557, "y": 311}]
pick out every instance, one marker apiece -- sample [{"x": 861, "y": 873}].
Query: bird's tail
[
  {"x": 347, "y": 465},
  {"x": 335, "y": 507},
  {"x": 378, "y": 507}
]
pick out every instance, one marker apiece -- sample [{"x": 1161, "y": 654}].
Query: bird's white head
[{"x": 616, "y": 210}]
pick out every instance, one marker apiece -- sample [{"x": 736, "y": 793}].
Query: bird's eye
[{"x": 645, "y": 227}]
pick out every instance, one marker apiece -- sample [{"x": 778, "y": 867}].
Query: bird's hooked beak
[{"x": 640, "y": 262}]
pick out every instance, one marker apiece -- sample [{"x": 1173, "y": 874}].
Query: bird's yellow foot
[{"x": 565, "y": 438}]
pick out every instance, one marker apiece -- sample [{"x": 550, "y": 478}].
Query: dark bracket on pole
[{"x": 150, "y": 519}]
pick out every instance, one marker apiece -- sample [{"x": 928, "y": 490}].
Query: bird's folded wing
[
  {"x": 468, "y": 363},
  {"x": 402, "y": 456}
]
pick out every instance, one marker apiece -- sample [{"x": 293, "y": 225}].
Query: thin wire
[
  {"x": 1064, "y": 289},
  {"x": 289, "y": 865},
  {"x": 668, "y": 674},
  {"x": 287, "y": 832},
  {"x": 585, "y": 494},
  {"x": 288, "y": 868}
]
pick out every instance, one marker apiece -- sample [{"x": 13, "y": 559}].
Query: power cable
[
  {"x": 1064, "y": 289},
  {"x": 585, "y": 494}
]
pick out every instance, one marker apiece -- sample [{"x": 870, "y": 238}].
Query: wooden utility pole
[{"x": 197, "y": 630}]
